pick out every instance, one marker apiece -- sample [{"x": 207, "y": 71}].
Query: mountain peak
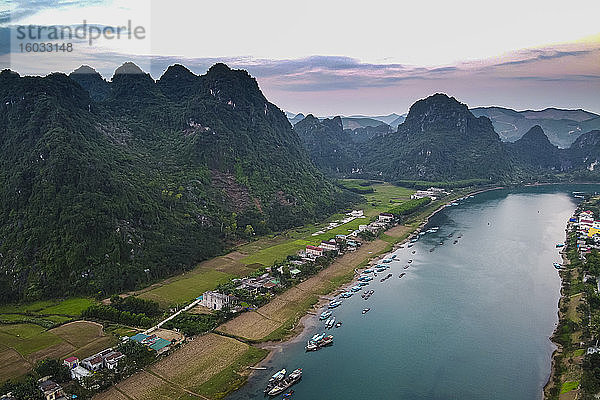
[
  {"x": 439, "y": 112},
  {"x": 536, "y": 132},
  {"x": 128, "y": 68},
  {"x": 85, "y": 69},
  {"x": 177, "y": 71},
  {"x": 219, "y": 69}
]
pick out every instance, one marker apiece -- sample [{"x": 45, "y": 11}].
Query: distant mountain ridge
[
  {"x": 357, "y": 121},
  {"x": 561, "y": 126},
  {"x": 442, "y": 140}
]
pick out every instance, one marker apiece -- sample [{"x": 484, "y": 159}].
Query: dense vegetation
[
  {"x": 196, "y": 324},
  {"x": 111, "y": 185},
  {"x": 109, "y": 313}
]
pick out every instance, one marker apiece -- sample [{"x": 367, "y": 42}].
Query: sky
[{"x": 333, "y": 57}]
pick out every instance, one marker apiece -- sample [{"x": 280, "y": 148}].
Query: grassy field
[
  {"x": 568, "y": 386},
  {"x": 25, "y": 344},
  {"x": 187, "y": 288},
  {"x": 385, "y": 196},
  {"x": 71, "y": 307}
]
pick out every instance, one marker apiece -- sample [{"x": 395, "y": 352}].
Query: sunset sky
[{"x": 342, "y": 57}]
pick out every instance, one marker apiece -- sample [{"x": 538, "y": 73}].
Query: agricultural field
[
  {"x": 204, "y": 367},
  {"x": 22, "y": 345}
]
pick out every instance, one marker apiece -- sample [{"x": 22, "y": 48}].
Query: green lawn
[
  {"x": 73, "y": 307},
  {"x": 186, "y": 288}
]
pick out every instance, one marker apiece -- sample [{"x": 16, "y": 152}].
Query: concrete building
[{"x": 216, "y": 300}]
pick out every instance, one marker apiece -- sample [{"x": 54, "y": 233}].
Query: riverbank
[{"x": 566, "y": 370}]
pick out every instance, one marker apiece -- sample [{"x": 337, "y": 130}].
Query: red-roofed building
[
  {"x": 71, "y": 362},
  {"x": 313, "y": 251}
]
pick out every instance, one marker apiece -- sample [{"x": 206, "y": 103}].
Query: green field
[
  {"x": 46, "y": 314},
  {"x": 276, "y": 253},
  {"x": 568, "y": 386},
  {"x": 22, "y": 345},
  {"x": 27, "y": 338},
  {"x": 71, "y": 307},
  {"x": 186, "y": 288}
]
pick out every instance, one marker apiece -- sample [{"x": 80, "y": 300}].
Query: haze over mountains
[
  {"x": 109, "y": 185},
  {"x": 561, "y": 126}
]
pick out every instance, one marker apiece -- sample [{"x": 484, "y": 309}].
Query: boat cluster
[
  {"x": 279, "y": 383},
  {"x": 319, "y": 340}
]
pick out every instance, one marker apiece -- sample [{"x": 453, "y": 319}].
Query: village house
[
  {"x": 216, "y": 300},
  {"x": 154, "y": 342},
  {"x": 262, "y": 284},
  {"x": 51, "y": 389},
  {"x": 93, "y": 363},
  {"x": 107, "y": 358},
  {"x": 313, "y": 251},
  {"x": 77, "y": 371},
  {"x": 356, "y": 213},
  {"x": 433, "y": 193},
  {"x": 330, "y": 245},
  {"x": 385, "y": 217}
]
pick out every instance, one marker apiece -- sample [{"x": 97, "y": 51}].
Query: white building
[
  {"x": 386, "y": 217},
  {"x": 330, "y": 245},
  {"x": 356, "y": 213},
  {"x": 216, "y": 300}
]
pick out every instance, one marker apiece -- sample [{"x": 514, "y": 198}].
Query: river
[{"x": 470, "y": 320}]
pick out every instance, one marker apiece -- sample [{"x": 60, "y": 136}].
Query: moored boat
[
  {"x": 325, "y": 315},
  {"x": 330, "y": 322},
  {"x": 335, "y": 303},
  {"x": 286, "y": 383},
  {"x": 279, "y": 375},
  {"x": 366, "y": 310},
  {"x": 326, "y": 341}
]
